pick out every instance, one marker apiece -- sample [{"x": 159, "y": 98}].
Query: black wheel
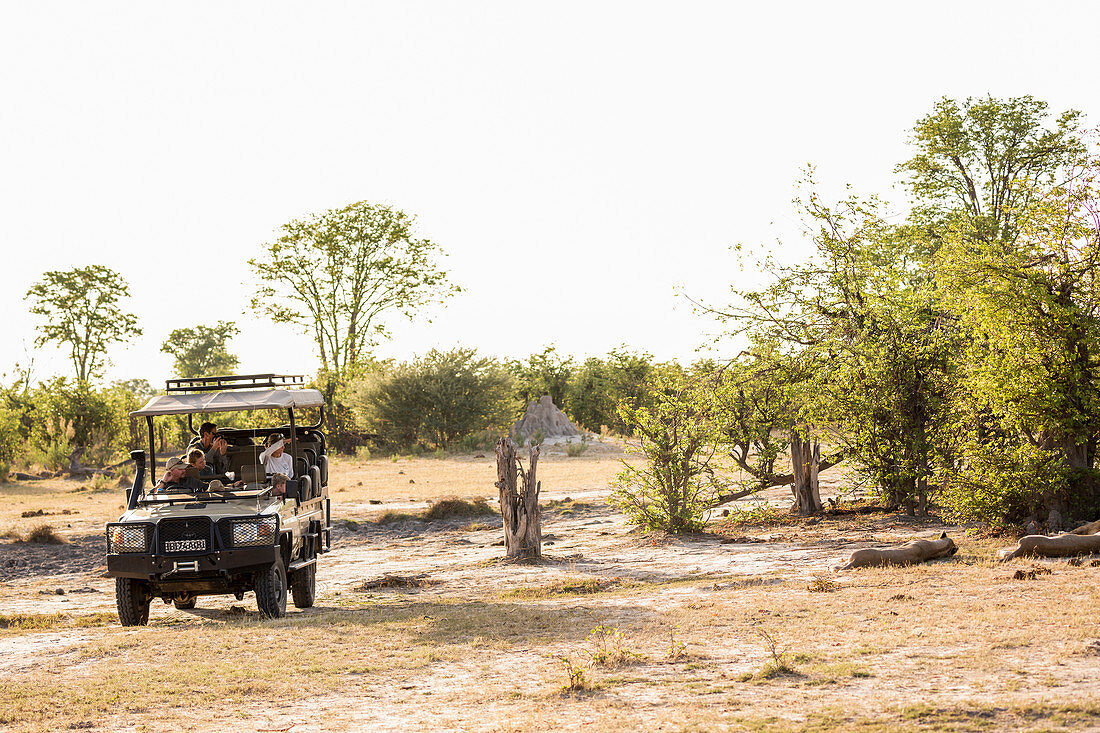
[
  {"x": 185, "y": 605},
  {"x": 271, "y": 590},
  {"x": 315, "y": 479},
  {"x": 303, "y": 586},
  {"x": 132, "y": 599}
]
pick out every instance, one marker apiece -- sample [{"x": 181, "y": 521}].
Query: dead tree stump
[
  {"x": 519, "y": 503},
  {"x": 805, "y": 463}
]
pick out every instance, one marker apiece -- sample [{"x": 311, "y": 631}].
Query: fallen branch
[{"x": 911, "y": 553}]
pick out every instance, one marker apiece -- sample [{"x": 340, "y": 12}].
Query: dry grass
[
  {"x": 44, "y": 534},
  {"x": 427, "y": 479},
  {"x": 958, "y": 645},
  {"x": 43, "y": 621}
]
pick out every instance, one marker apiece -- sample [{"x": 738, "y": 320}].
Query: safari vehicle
[{"x": 231, "y": 535}]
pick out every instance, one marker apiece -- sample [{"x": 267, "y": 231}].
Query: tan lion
[{"x": 911, "y": 553}]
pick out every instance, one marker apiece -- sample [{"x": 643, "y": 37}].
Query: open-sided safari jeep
[{"x": 183, "y": 542}]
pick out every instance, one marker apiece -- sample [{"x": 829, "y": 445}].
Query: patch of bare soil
[{"x": 80, "y": 554}]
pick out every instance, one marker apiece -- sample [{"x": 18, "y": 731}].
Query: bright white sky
[{"x": 578, "y": 161}]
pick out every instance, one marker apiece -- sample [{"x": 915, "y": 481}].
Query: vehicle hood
[{"x": 215, "y": 510}]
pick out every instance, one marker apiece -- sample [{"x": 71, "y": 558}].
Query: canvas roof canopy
[{"x": 230, "y": 401}]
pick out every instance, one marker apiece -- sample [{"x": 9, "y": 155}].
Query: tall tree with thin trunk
[
  {"x": 80, "y": 308},
  {"x": 342, "y": 274}
]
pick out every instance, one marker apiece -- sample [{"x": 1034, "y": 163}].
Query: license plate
[{"x": 185, "y": 545}]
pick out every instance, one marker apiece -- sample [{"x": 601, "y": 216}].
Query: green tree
[
  {"x": 849, "y": 353},
  {"x": 202, "y": 351},
  {"x": 341, "y": 273},
  {"x": 1029, "y": 380},
  {"x": 80, "y": 308},
  {"x": 543, "y": 373},
  {"x": 981, "y": 159},
  {"x": 438, "y": 399}
]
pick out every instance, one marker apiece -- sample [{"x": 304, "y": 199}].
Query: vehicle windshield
[{"x": 177, "y": 493}]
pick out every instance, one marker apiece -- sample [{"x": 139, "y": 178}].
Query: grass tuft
[
  {"x": 44, "y": 534},
  {"x": 452, "y": 507},
  {"x": 573, "y": 586}
]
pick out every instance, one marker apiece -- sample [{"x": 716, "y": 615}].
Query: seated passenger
[
  {"x": 175, "y": 477},
  {"x": 196, "y": 464},
  {"x": 214, "y": 446},
  {"x": 278, "y": 484},
  {"x": 275, "y": 459}
]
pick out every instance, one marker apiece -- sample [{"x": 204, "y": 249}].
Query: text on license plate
[{"x": 184, "y": 545}]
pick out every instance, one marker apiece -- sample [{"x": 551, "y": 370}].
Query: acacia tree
[
  {"x": 203, "y": 351},
  {"x": 339, "y": 274},
  {"x": 81, "y": 310}
]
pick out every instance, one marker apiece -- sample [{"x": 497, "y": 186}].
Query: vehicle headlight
[
  {"x": 253, "y": 532},
  {"x": 127, "y": 538}
]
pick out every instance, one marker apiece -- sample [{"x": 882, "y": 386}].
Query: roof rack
[{"x": 240, "y": 381}]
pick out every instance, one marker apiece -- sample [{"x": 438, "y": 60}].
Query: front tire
[
  {"x": 303, "y": 586},
  {"x": 132, "y": 600},
  {"x": 271, "y": 590}
]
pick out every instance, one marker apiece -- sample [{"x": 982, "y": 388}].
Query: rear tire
[
  {"x": 303, "y": 586},
  {"x": 271, "y": 590},
  {"x": 132, "y": 600}
]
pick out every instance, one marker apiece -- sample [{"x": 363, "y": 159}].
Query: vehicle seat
[{"x": 253, "y": 473}]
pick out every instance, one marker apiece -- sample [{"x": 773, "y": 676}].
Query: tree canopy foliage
[
  {"x": 950, "y": 357},
  {"x": 80, "y": 309},
  {"x": 342, "y": 273},
  {"x": 202, "y": 351}
]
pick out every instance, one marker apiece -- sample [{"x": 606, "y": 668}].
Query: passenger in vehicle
[
  {"x": 196, "y": 464},
  {"x": 214, "y": 446},
  {"x": 278, "y": 484},
  {"x": 275, "y": 458},
  {"x": 175, "y": 476}
]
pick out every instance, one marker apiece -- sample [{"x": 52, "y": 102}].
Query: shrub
[
  {"x": 574, "y": 450},
  {"x": 437, "y": 399},
  {"x": 545, "y": 373},
  {"x": 673, "y": 489},
  {"x": 452, "y": 507}
]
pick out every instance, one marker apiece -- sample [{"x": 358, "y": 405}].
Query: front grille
[
  {"x": 185, "y": 536},
  {"x": 225, "y": 533}
]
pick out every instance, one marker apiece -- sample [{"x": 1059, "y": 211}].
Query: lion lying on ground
[
  {"x": 1062, "y": 545},
  {"x": 911, "y": 553}
]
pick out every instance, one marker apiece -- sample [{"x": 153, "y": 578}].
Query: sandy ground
[{"x": 922, "y": 648}]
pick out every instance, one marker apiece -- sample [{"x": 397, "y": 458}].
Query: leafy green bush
[
  {"x": 543, "y": 373},
  {"x": 437, "y": 399},
  {"x": 676, "y": 433}
]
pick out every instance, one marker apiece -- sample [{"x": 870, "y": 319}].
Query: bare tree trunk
[
  {"x": 519, "y": 504},
  {"x": 805, "y": 461}
]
